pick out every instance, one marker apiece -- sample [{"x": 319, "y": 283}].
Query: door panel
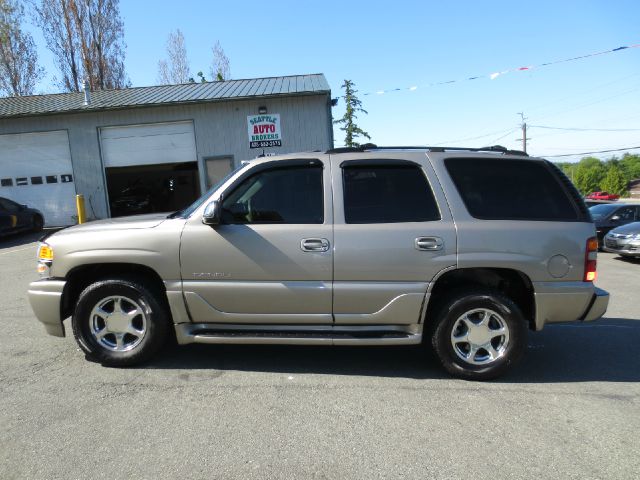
[
  {"x": 259, "y": 272},
  {"x": 382, "y": 270}
]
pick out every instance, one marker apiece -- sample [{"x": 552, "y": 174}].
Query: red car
[{"x": 602, "y": 196}]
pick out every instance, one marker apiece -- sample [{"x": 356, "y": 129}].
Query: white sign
[{"x": 264, "y": 130}]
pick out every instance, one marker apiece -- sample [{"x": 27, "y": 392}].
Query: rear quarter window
[{"x": 511, "y": 189}]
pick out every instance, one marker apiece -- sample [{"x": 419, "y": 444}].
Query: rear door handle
[
  {"x": 429, "y": 243},
  {"x": 314, "y": 245}
]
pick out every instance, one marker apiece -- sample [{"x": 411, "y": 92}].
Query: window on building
[
  {"x": 387, "y": 194},
  {"x": 36, "y": 180},
  {"x": 6, "y": 182},
  {"x": 52, "y": 179}
]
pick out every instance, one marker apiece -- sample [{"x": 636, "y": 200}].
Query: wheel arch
[
  {"x": 82, "y": 276},
  {"x": 513, "y": 283}
]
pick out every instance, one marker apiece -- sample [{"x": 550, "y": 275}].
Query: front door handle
[
  {"x": 429, "y": 243},
  {"x": 314, "y": 245}
]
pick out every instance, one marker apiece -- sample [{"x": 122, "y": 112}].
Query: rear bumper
[
  {"x": 567, "y": 302},
  {"x": 45, "y": 297},
  {"x": 598, "y": 307}
]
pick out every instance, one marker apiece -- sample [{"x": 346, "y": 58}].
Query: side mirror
[{"x": 211, "y": 214}]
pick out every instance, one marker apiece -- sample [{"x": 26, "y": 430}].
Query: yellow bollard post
[{"x": 80, "y": 208}]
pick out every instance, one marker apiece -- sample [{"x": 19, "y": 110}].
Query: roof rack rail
[
  {"x": 371, "y": 146},
  {"x": 360, "y": 148}
]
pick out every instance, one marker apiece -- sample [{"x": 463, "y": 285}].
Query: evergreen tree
[
  {"x": 614, "y": 181},
  {"x": 353, "y": 106}
]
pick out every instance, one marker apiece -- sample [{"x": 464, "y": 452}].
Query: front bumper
[
  {"x": 631, "y": 249},
  {"x": 45, "y": 297},
  {"x": 567, "y": 302}
]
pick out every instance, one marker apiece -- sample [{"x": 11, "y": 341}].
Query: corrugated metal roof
[{"x": 164, "y": 94}]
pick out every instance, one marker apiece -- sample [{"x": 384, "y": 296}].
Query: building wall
[{"x": 220, "y": 129}]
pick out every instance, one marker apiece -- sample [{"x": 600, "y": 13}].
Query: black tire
[
  {"x": 37, "y": 223},
  {"x": 151, "y": 324},
  {"x": 476, "y": 302}
]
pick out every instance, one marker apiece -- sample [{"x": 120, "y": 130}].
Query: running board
[{"x": 298, "y": 334}]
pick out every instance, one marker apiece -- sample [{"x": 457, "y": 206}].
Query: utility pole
[{"x": 524, "y": 132}]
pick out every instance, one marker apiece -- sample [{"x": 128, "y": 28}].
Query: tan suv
[{"x": 462, "y": 249}]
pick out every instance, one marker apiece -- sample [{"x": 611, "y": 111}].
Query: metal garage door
[
  {"x": 151, "y": 144},
  {"x": 35, "y": 169}
]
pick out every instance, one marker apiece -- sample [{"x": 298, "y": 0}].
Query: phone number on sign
[{"x": 268, "y": 143}]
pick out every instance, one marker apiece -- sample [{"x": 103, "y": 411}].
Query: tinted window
[
  {"x": 8, "y": 205},
  {"x": 627, "y": 214},
  {"x": 503, "y": 189},
  {"x": 281, "y": 195},
  {"x": 602, "y": 211},
  {"x": 387, "y": 194}
]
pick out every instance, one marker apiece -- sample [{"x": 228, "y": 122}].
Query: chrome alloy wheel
[
  {"x": 480, "y": 336},
  {"x": 118, "y": 323}
]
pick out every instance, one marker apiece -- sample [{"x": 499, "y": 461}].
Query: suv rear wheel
[
  {"x": 479, "y": 334},
  {"x": 120, "y": 322}
]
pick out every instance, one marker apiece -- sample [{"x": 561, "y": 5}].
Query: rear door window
[
  {"x": 387, "y": 193},
  {"x": 508, "y": 189}
]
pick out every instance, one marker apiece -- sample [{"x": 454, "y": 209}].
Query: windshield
[
  {"x": 186, "y": 212},
  {"x": 602, "y": 211}
]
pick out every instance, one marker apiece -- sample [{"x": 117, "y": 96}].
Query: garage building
[{"x": 151, "y": 149}]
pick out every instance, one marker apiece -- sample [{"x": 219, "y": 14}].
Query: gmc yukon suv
[{"x": 464, "y": 250}]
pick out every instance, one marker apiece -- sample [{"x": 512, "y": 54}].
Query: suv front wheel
[
  {"x": 120, "y": 322},
  {"x": 479, "y": 334}
]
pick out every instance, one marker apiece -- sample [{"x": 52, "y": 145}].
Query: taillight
[{"x": 590, "y": 260}]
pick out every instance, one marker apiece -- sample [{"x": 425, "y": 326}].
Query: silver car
[{"x": 624, "y": 240}]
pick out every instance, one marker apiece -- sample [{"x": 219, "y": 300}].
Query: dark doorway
[{"x": 152, "y": 188}]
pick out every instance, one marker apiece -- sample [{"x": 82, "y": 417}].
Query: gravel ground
[{"x": 571, "y": 409}]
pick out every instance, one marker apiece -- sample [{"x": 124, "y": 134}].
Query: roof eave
[{"x": 94, "y": 108}]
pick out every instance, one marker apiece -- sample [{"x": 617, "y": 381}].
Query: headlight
[{"x": 45, "y": 259}]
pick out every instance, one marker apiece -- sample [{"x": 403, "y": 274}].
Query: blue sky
[{"x": 386, "y": 45}]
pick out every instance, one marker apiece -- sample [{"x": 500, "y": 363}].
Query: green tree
[
  {"x": 353, "y": 106},
  {"x": 614, "y": 181},
  {"x": 588, "y": 175},
  {"x": 630, "y": 165}
]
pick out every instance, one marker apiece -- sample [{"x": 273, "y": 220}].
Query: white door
[
  {"x": 150, "y": 144},
  {"x": 35, "y": 169}
]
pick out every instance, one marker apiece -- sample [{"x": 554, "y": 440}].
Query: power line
[
  {"x": 451, "y": 142},
  {"x": 578, "y": 107},
  {"x": 589, "y": 153},
  {"x": 505, "y": 135},
  {"x": 587, "y": 129}
]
